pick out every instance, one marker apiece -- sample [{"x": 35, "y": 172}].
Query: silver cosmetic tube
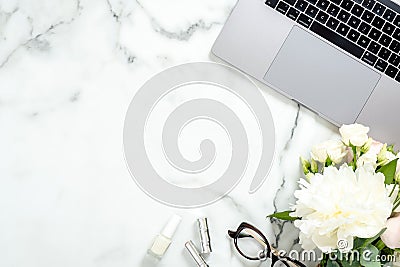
[
  {"x": 205, "y": 241},
  {"x": 195, "y": 254}
]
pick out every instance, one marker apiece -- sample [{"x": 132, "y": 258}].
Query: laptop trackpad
[{"x": 321, "y": 77}]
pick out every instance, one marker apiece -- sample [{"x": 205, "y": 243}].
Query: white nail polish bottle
[{"x": 163, "y": 240}]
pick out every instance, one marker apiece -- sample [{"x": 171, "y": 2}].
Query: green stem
[
  {"x": 394, "y": 187},
  {"x": 354, "y": 157},
  {"x": 396, "y": 204},
  {"x": 380, "y": 245}
]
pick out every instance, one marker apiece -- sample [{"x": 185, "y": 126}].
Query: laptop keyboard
[{"x": 367, "y": 29}]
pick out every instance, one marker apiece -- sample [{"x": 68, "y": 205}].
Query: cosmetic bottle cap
[{"x": 172, "y": 225}]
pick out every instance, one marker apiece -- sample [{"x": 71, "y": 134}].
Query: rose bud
[{"x": 391, "y": 237}]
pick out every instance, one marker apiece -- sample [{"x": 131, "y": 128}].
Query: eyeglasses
[{"x": 252, "y": 244}]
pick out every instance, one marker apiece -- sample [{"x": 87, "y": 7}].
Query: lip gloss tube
[
  {"x": 205, "y": 241},
  {"x": 195, "y": 254}
]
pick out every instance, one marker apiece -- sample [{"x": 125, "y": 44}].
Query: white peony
[
  {"x": 340, "y": 205},
  {"x": 334, "y": 149},
  {"x": 356, "y": 134}
]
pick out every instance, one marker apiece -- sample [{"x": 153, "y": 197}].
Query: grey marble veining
[{"x": 68, "y": 70}]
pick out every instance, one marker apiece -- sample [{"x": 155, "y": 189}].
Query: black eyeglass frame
[{"x": 269, "y": 251}]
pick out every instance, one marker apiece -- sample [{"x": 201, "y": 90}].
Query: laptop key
[
  {"x": 357, "y": 10},
  {"x": 384, "y": 53},
  {"x": 364, "y": 28},
  {"x": 301, "y": 5},
  {"x": 368, "y": 4},
  {"x": 304, "y": 20},
  {"x": 388, "y": 28},
  {"x": 343, "y": 16},
  {"x": 337, "y": 2},
  {"x": 343, "y": 29},
  {"x": 354, "y": 22},
  {"x": 282, "y": 7},
  {"x": 290, "y": 2},
  {"x": 312, "y": 1},
  {"x": 272, "y": 3},
  {"x": 336, "y": 39},
  {"x": 311, "y": 11},
  {"x": 397, "y": 21},
  {"x": 332, "y": 23},
  {"x": 389, "y": 15},
  {"x": 378, "y": 22},
  {"x": 333, "y": 10},
  {"x": 391, "y": 71},
  {"x": 353, "y": 35},
  {"x": 385, "y": 40},
  {"x": 394, "y": 60},
  {"x": 347, "y": 4},
  {"x": 363, "y": 41},
  {"x": 293, "y": 13},
  {"x": 358, "y": 1},
  {"x": 374, "y": 47},
  {"x": 374, "y": 34},
  {"x": 322, "y": 17},
  {"x": 381, "y": 65},
  {"x": 369, "y": 58},
  {"x": 396, "y": 34},
  {"x": 378, "y": 9},
  {"x": 395, "y": 46},
  {"x": 367, "y": 16},
  {"x": 323, "y": 4}
]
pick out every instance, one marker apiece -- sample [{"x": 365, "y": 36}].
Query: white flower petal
[{"x": 341, "y": 204}]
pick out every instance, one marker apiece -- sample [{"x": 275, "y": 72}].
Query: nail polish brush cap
[{"x": 171, "y": 226}]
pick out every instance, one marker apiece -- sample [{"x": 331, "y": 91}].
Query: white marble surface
[{"x": 68, "y": 70}]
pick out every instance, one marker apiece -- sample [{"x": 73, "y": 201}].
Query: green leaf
[
  {"x": 284, "y": 215},
  {"x": 389, "y": 170},
  {"x": 306, "y": 165},
  {"x": 314, "y": 166},
  {"x": 372, "y": 239},
  {"x": 390, "y": 148},
  {"x": 348, "y": 263},
  {"x": 358, "y": 242},
  {"x": 385, "y": 252},
  {"x": 328, "y": 162},
  {"x": 332, "y": 263},
  {"x": 370, "y": 256},
  {"x": 348, "y": 259}
]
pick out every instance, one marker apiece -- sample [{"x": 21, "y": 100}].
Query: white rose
[
  {"x": 375, "y": 147},
  {"x": 334, "y": 149},
  {"x": 368, "y": 158},
  {"x": 390, "y": 156},
  {"x": 356, "y": 134},
  {"x": 318, "y": 152}
]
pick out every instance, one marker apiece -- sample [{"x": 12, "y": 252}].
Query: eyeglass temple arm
[
  {"x": 289, "y": 263},
  {"x": 252, "y": 234}
]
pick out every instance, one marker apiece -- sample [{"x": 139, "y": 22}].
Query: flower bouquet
[{"x": 348, "y": 201}]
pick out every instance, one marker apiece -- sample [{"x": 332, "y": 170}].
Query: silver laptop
[{"x": 339, "y": 58}]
